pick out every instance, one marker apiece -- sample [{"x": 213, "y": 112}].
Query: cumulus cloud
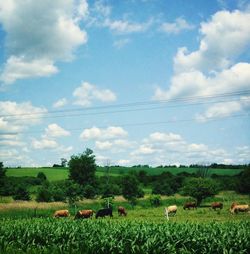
[
  {"x": 60, "y": 103},
  {"x": 19, "y": 116},
  {"x": 86, "y": 93},
  {"x": 54, "y": 130},
  {"x": 176, "y": 27},
  {"x": 224, "y": 27},
  {"x": 44, "y": 144},
  {"x": 213, "y": 68},
  {"x": 168, "y": 148},
  {"x": 126, "y": 27},
  {"x": 110, "y": 132},
  {"x": 38, "y": 34}
]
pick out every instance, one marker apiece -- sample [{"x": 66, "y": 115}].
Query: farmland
[
  {"x": 110, "y": 236},
  {"x": 56, "y": 174}
]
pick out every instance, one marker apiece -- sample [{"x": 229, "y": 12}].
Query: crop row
[{"x": 107, "y": 236}]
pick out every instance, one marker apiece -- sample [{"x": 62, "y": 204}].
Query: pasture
[{"x": 57, "y": 174}]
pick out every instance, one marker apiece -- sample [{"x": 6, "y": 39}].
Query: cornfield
[{"x": 113, "y": 236}]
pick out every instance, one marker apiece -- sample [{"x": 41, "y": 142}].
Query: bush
[
  {"x": 41, "y": 176},
  {"x": 155, "y": 200},
  {"x": 21, "y": 193},
  {"x": 89, "y": 191},
  {"x": 44, "y": 195}
]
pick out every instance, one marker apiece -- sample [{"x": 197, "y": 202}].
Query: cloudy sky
[{"x": 153, "y": 82}]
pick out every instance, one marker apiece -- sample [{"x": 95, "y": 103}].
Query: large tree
[
  {"x": 200, "y": 188},
  {"x": 2, "y": 175},
  {"x": 131, "y": 188},
  {"x": 82, "y": 168}
]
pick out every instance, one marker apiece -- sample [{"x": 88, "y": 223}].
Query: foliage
[
  {"x": 41, "y": 176},
  {"x": 44, "y": 195},
  {"x": 89, "y": 191},
  {"x": 108, "y": 236},
  {"x": 131, "y": 189},
  {"x": 21, "y": 193},
  {"x": 107, "y": 202},
  {"x": 63, "y": 162},
  {"x": 82, "y": 168},
  {"x": 244, "y": 182},
  {"x": 2, "y": 178},
  {"x": 73, "y": 192},
  {"x": 200, "y": 188},
  {"x": 155, "y": 200},
  {"x": 162, "y": 188}
]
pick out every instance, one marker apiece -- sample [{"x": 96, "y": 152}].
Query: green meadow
[{"x": 56, "y": 174}]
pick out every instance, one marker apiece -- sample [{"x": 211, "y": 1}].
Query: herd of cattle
[{"x": 170, "y": 210}]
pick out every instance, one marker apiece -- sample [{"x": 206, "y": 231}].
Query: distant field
[{"x": 56, "y": 174}]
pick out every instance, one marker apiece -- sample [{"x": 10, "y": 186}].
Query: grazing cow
[
  {"x": 104, "y": 212},
  {"x": 122, "y": 211},
  {"x": 235, "y": 208},
  {"x": 189, "y": 205},
  {"x": 61, "y": 213},
  {"x": 216, "y": 205},
  {"x": 84, "y": 214},
  {"x": 171, "y": 210}
]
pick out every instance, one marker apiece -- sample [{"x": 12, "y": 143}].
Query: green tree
[
  {"x": 243, "y": 185},
  {"x": 200, "y": 188},
  {"x": 21, "y": 193},
  {"x": 41, "y": 176},
  {"x": 2, "y": 174},
  {"x": 73, "y": 192},
  {"x": 63, "y": 162},
  {"x": 44, "y": 195},
  {"x": 82, "y": 168},
  {"x": 131, "y": 188}
]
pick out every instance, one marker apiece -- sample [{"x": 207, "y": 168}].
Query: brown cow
[
  {"x": 61, "y": 213},
  {"x": 189, "y": 205},
  {"x": 216, "y": 205},
  {"x": 84, "y": 214},
  {"x": 122, "y": 211},
  {"x": 235, "y": 208}
]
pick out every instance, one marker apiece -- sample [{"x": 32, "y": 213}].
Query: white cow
[{"x": 170, "y": 210}]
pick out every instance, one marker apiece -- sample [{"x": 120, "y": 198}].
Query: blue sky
[{"x": 153, "y": 82}]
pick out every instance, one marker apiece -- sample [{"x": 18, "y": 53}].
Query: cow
[
  {"x": 104, "y": 212},
  {"x": 189, "y": 205},
  {"x": 84, "y": 214},
  {"x": 122, "y": 211},
  {"x": 61, "y": 213},
  {"x": 235, "y": 208},
  {"x": 216, "y": 205},
  {"x": 171, "y": 209}
]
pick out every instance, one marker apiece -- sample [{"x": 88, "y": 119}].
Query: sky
[{"x": 151, "y": 82}]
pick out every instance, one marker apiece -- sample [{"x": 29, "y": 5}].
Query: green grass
[
  {"x": 52, "y": 174},
  {"x": 56, "y": 174}
]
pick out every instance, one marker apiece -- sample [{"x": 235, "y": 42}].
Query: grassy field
[
  {"x": 55, "y": 174},
  {"x": 28, "y": 227}
]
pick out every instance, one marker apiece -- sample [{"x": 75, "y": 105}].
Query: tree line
[{"x": 83, "y": 183}]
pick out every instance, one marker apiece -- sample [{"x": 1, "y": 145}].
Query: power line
[
  {"x": 14, "y": 118},
  {"x": 136, "y": 124},
  {"x": 136, "y": 104}
]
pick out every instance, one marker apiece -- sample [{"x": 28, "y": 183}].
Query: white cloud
[
  {"x": 176, "y": 27},
  {"x": 110, "y": 132},
  {"x": 103, "y": 145},
  {"x": 44, "y": 144},
  {"x": 224, "y": 27},
  {"x": 39, "y": 33},
  {"x": 87, "y": 93},
  {"x": 19, "y": 116},
  {"x": 54, "y": 130},
  {"x": 121, "y": 43},
  {"x": 126, "y": 27},
  {"x": 213, "y": 68},
  {"x": 60, "y": 103}
]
